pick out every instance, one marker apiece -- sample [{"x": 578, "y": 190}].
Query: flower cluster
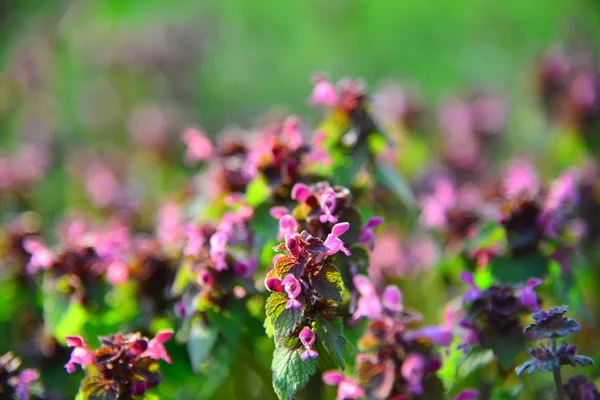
[
  {"x": 16, "y": 382},
  {"x": 398, "y": 361},
  {"x": 124, "y": 365}
]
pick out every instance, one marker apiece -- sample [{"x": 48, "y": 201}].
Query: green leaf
[
  {"x": 434, "y": 388},
  {"x": 327, "y": 282},
  {"x": 183, "y": 278},
  {"x": 290, "y": 372},
  {"x": 393, "y": 180},
  {"x": 284, "y": 321},
  {"x": 330, "y": 334},
  {"x": 98, "y": 388},
  {"x": 200, "y": 343},
  {"x": 519, "y": 269},
  {"x": 257, "y": 192},
  {"x": 489, "y": 234},
  {"x": 505, "y": 347},
  {"x": 230, "y": 321}
]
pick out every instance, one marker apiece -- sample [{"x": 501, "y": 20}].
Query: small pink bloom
[
  {"x": 291, "y": 130},
  {"x": 156, "y": 350},
  {"x": 392, "y": 298},
  {"x": 520, "y": 179},
  {"x": 528, "y": 296},
  {"x": 307, "y": 337},
  {"x": 369, "y": 305},
  {"x": 288, "y": 226},
  {"x": 199, "y": 146},
  {"x": 301, "y": 192},
  {"x": 324, "y": 93},
  {"x": 367, "y": 234},
  {"x": 218, "y": 251},
  {"x": 328, "y": 203},
  {"x": 278, "y": 212},
  {"x": 347, "y": 388},
  {"x": 274, "y": 285},
  {"x": 442, "y": 336},
  {"x": 413, "y": 371},
  {"x": 80, "y": 355},
  {"x": 117, "y": 272},
  {"x": 468, "y": 394},
  {"x": 293, "y": 288},
  {"x": 41, "y": 256},
  {"x": 334, "y": 243},
  {"x": 473, "y": 293},
  {"x": 195, "y": 241},
  {"x": 293, "y": 247}
]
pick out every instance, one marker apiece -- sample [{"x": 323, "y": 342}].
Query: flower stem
[{"x": 557, "y": 378}]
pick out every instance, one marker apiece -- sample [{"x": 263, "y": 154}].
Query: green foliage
[
  {"x": 200, "y": 343},
  {"x": 514, "y": 269},
  {"x": 328, "y": 283},
  {"x": 394, "y": 181},
  {"x": 290, "y": 372},
  {"x": 331, "y": 336},
  {"x": 284, "y": 321}
]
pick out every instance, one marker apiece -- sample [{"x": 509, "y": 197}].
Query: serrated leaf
[
  {"x": 286, "y": 265},
  {"x": 200, "y": 343},
  {"x": 98, "y": 388},
  {"x": 290, "y": 372},
  {"x": 394, "y": 181},
  {"x": 330, "y": 334},
  {"x": 505, "y": 347},
  {"x": 519, "y": 269},
  {"x": 284, "y": 321},
  {"x": 327, "y": 282}
]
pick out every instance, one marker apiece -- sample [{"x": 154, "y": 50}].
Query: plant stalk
[{"x": 557, "y": 378}]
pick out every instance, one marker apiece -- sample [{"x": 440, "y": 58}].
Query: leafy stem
[{"x": 556, "y": 373}]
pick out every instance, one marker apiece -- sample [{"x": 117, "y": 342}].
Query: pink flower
[
  {"x": 367, "y": 234},
  {"x": 218, "y": 251},
  {"x": 333, "y": 241},
  {"x": 156, "y": 350},
  {"x": 288, "y": 226},
  {"x": 328, "y": 203},
  {"x": 520, "y": 179},
  {"x": 307, "y": 337},
  {"x": 117, "y": 272},
  {"x": 392, "y": 298},
  {"x": 413, "y": 371},
  {"x": 41, "y": 256},
  {"x": 347, "y": 387},
  {"x": 274, "y": 285},
  {"x": 369, "y": 305},
  {"x": 324, "y": 93},
  {"x": 293, "y": 288},
  {"x": 528, "y": 296},
  {"x": 301, "y": 192},
  {"x": 278, "y": 212},
  {"x": 81, "y": 354},
  {"x": 170, "y": 230},
  {"x": 199, "y": 146},
  {"x": 468, "y": 394},
  {"x": 291, "y": 130},
  {"x": 24, "y": 381},
  {"x": 195, "y": 241}
]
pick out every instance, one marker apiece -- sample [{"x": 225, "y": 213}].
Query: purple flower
[
  {"x": 301, "y": 192},
  {"x": 328, "y": 203},
  {"x": 81, "y": 354},
  {"x": 155, "y": 349},
  {"x": 439, "y": 335},
  {"x": 307, "y": 337},
  {"x": 41, "y": 256},
  {"x": 24, "y": 381},
  {"x": 288, "y": 226},
  {"x": 473, "y": 293},
  {"x": 218, "y": 252},
  {"x": 468, "y": 394},
  {"x": 367, "y": 234},
  {"x": 369, "y": 305},
  {"x": 274, "y": 285},
  {"x": 333, "y": 241},
  {"x": 293, "y": 288},
  {"x": 347, "y": 387},
  {"x": 392, "y": 298},
  {"x": 552, "y": 323},
  {"x": 413, "y": 371},
  {"x": 529, "y": 297}
]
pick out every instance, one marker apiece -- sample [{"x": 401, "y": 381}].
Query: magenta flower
[
  {"x": 288, "y": 226},
  {"x": 278, "y": 212},
  {"x": 307, "y": 337},
  {"x": 563, "y": 196},
  {"x": 324, "y": 93},
  {"x": 293, "y": 288},
  {"x": 274, "y": 285},
  {"x": 520, "y": 179},
  {"x": 117, "y": 272},
  {"x": 528, "y": 296},
  {"x": 23, "y": 384},
  {"x": 367, "y": 234},
  {"x": 155, "y": 349},
  {"x": 392, "y": 298},
  {"x": 347, "y": 387},
  {"x": 41, "y": 256},
  {"x": 170, "y": 230},
  {"x": 195, "y": 241},
  {"x": 293, "y": 247},
  {"x": 333, "y": 241},
  {"x": 413, "y": 371},
  {"x": 293, "y": 134},
  {"x": 472, "y": 293},
  {"x": 301, "y": 192},
  {"x": 218, "y": 251},
  {"x": 328, "y": 203},
  {"x": 468, "y": 394},
  {"x": 369, "y": 305},
  {"x": 81, "y": 354},
  {"x": 199, "y": 146},
  {"x": 442, "y": 336}
]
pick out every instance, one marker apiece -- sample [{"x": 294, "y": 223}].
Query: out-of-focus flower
[
  {"x": 199, "y": 147},
  {"x": 413, "y": 371},
  {"x": 324, "y": 92},
  {"x": 156, "y": 350},
  {"x": 81, "y": 354},
  {"x": 467, "y": 394},
  {"x": 528, "y": 296},
  {"x": 520, "y": 180},
  {"x": 347, "y": 387},
  {"x": 367, "y": 234},
  {"x": 41, "y": 256}
]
